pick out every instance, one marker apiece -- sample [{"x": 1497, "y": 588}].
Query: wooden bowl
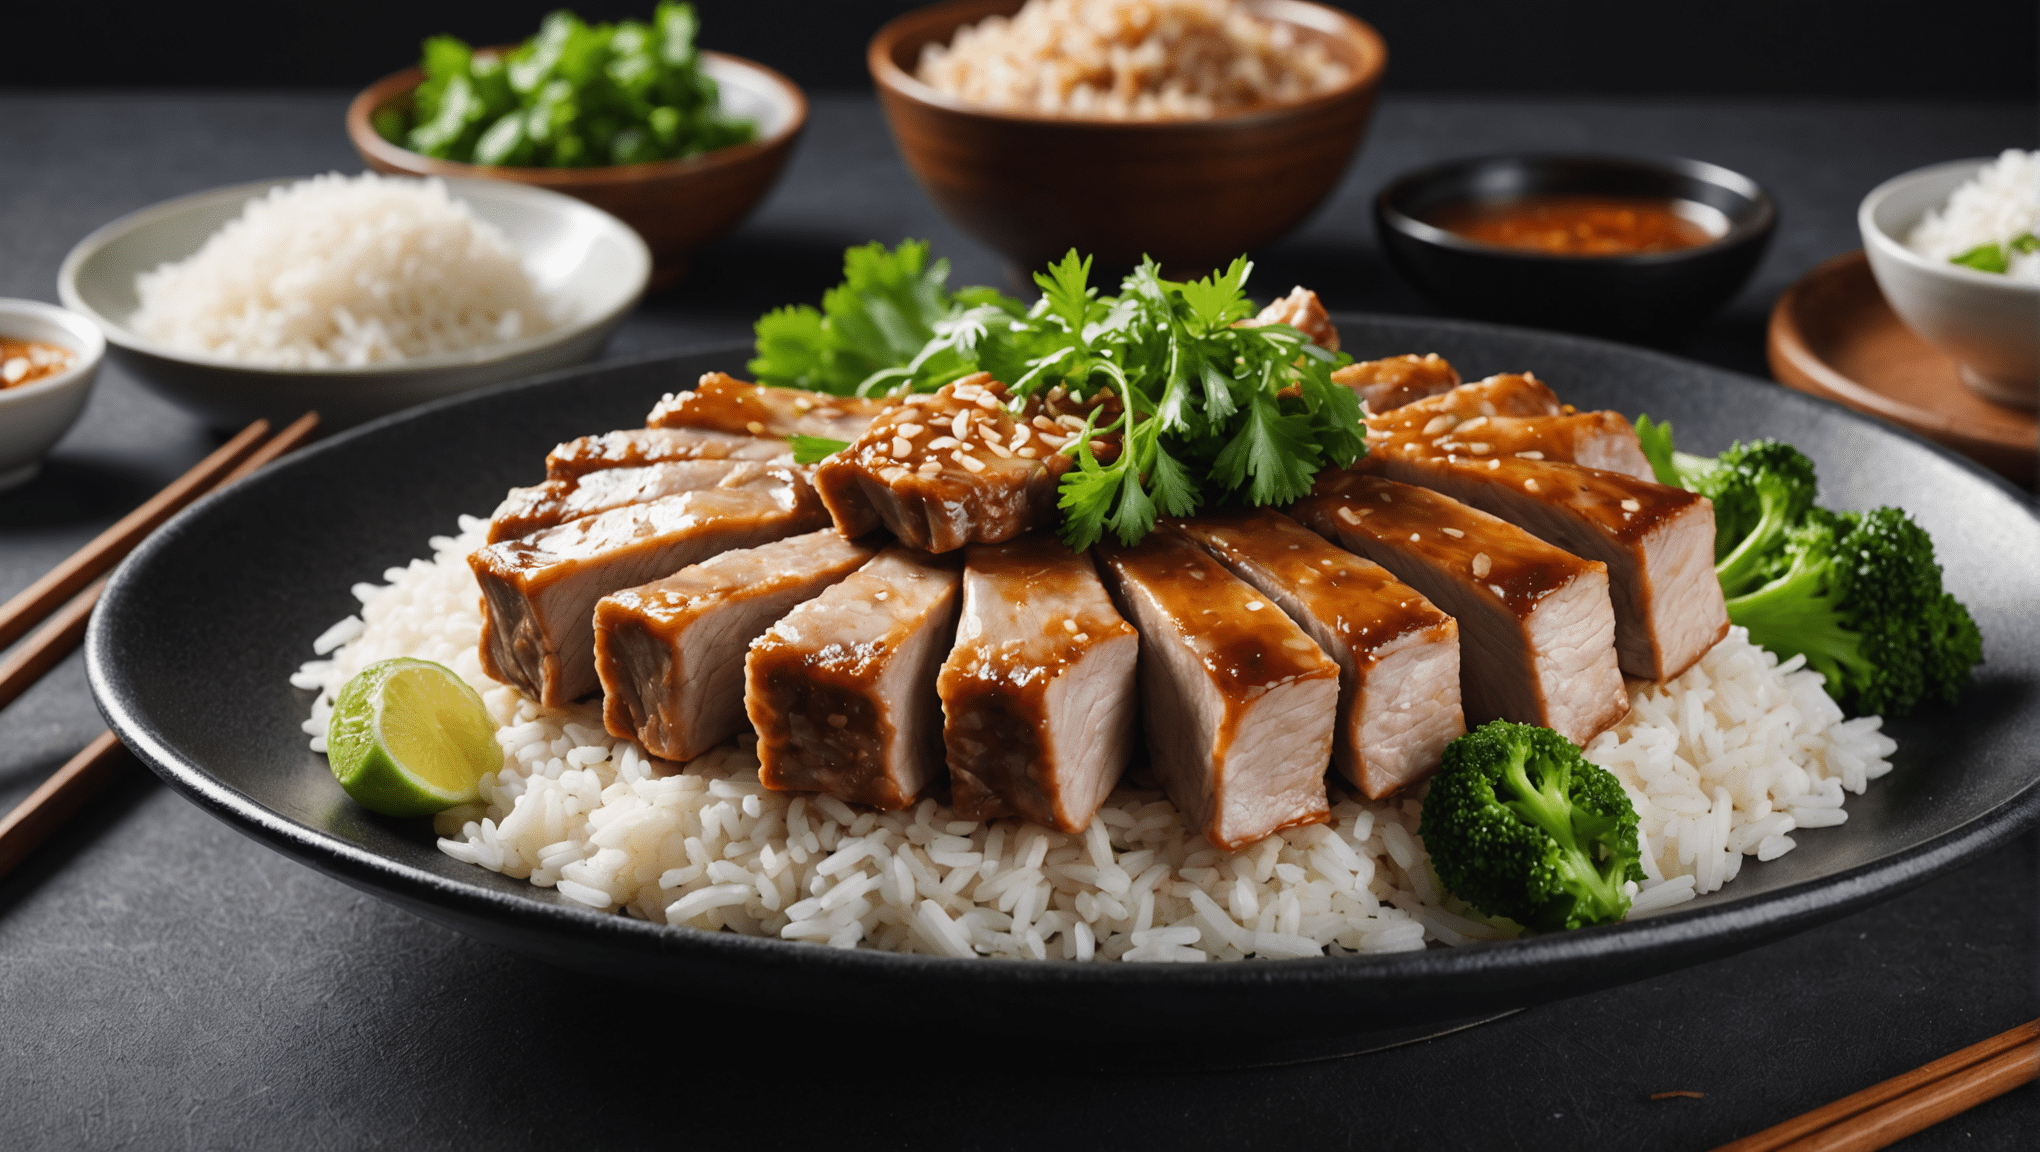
[
  {"x": 1834, "y": 334},
  {"x": 1191, "y": 193},
  {"x": 676, "y": 205}
]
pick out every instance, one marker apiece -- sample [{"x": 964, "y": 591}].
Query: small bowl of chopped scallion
[{"x": 632, "y": 117}]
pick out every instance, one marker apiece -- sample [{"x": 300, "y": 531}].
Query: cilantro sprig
[{"x": 1208, "y": 411}]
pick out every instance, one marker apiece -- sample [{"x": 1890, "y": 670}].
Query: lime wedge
[{"x": 409, "y": 738}]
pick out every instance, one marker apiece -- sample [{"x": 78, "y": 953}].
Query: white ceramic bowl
[
  {"x": 1988, "y": 323},
  {"x": 33, "y": 417},
  {"x": 580, "y": 257}
]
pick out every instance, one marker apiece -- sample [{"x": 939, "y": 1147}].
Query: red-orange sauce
[
  {"x": 1574, "y": 225},
  {"x": 27, "y": 361}
]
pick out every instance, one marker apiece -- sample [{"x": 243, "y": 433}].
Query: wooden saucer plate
[{"x": 1833, "y": 335}]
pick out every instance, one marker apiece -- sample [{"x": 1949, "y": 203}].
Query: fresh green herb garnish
[
  {"x": 1984, "y": 258},
  {"x": 814, "y": 449},
  {"x": 1210, "y": 411},
  {"x": 575, "y": 95}
]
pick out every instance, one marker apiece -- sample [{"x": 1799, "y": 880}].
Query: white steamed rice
[
  {"x": 1998, "y": 205},
  {"x": 1723, "y": 763},
  {"x": 344, "y": 271}
]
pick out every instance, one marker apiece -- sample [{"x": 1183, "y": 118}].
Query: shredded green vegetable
[
  {"x": 1995, "y": 257},
  {"x": 1212, "y": 411},
  {"x": 575, "y": 95}
]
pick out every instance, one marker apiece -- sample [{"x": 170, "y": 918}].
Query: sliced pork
[
  {"x": 1657, "y": 542},
  {"x": 1507, "y": 394},
  {"x": 1398, "y": 654},
  {"x": 528, "y": 510},
  {"x": 953, "y": 467},
  {"x": 1038, "y": 696},
  {"x": 639, "y": 447},
  {"x": 842, "y": 689},
  {"x": 1595, "y": 439},
  {"x": 1536, "y": 628},
  {"x": 1302, "y": 311},
  {"x": 1239, "y": 702},
  {"x": 670, "y": 654},
  {"x": 539, "y": 593},
  {"x": 1397, "y": 380},
  {"x": 723, "y": 403}
]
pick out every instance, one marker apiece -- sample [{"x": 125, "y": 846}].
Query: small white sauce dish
[
  {"x": 1988, "y": 323},
  {"x": 591, "y": 266},
  {"x": 35, "y": 415}
]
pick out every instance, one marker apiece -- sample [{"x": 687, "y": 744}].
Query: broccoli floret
[
  {"x": 1519, "y": 824},
  {"x": 1860, "y": 596},
  {"x": 1759, "y": 490}
]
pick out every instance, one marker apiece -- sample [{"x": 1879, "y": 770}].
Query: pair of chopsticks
[
  {"x": 62, "y": 600},
  {"x": 1886, "y": 1113}
]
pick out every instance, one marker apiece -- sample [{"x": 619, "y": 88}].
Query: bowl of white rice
[
  {"x": 352, "y": 296},
  {"x": 1937, "y": 238}
]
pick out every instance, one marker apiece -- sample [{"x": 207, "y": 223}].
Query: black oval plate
[{"x": 192, "y": 646}]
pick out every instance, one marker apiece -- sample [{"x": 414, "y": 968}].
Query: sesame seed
[
  {"x": 1021, "y": 434},
  {"x": 999, "y": 450},
  {"x": 1455, "y": 533},
  {"x": 802, "y": 404},
  {"x": 1531, "y": 455},
  {"x": 755, "y": 428},
  {"x": 1493, "y": 464},
  {"x": 1044, "y": 423},
  {"x": 1482, "y": 565},
  {"x": 1349, "y": 516},
  {"x": 1497, "y": 590},
  {"x": 1631, "y": 506},
  {"x": 1057, "y": 392},
  {"x": 919, "y": 400},
  {"x": 1071, "y": 423},
  {"x": 1415, "y": 537},
  {"x": 910, "y": 429},
  {"x": 882, "y": 596},
  {"x": 1478, "y": 447},
  {"x": 960, "y": 427},
  {"x": 1440, "y": 423},
  {"x": 901, "y": 446},
  {"x": 1255, "y": 605},
  {"x": 941, "y": 442},
  {"x": 1082, "y": 636},
  {"x": 1196, "y": 574},
  {"x": 1474, "y": 425},
  {"x": 929, "y": 467},
  {"x": 1297, "y": 644},
  {"x": 987, "y": 400},
  {"x": 838, "y": 720},
  {"x": 1487, "y": 408},
  {"x": 970, "y": 463},
  {"x": 1529, "y": 485},
  {"x": 1070, "y": 625},
  {"x": 1027, "y": 453},
  {"x": 1384, "y": 498}
]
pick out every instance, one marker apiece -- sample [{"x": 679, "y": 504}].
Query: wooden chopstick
[
  {"x": 1886, "y": 1113},
  {"x": 62, "y": 794},
  {"x": 61, "y": 583},
  {"x": 57, "y": 800}
]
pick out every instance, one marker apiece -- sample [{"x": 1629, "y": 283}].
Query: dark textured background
[
  {"x": 165, "y": 982},
  {"x": 1890, "y": 48}
]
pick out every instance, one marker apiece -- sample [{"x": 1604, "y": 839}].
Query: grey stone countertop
[{"x": 166, "y": 982}]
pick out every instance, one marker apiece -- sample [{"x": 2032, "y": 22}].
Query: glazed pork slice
[
  {"x": 842, "y": 689},
  {"x": 539, "y": 593},
  {"x": 640, "y": 447},
  {"x": 1395, "y": 381},
  {"x": 1603, "y": 440},
  {"x": 723, "y": 403},
  {"x": 1506, "y": 394},
  {"x": 670, "y": 654},
  {"x": 534, "y": 509},
  {"x": 952, "y": 467},
  {"x": 1657, "y": 542},
  {"x": 1239, "y": 702},
  {"x": 1302, "y": 311},
  {"x": 1038, "y": 696},
  {"x": 1536, "y": 629},
  {"x": 1398, "y": 654}
]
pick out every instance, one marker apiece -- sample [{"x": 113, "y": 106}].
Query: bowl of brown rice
[{"x": 1185, "y": 130}]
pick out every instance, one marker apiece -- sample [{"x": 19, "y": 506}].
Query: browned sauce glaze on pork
[
  {"x": 539, "y": 593},
  {"x": 957, "y": 466},
  {"x": 1038, "y": 696},
  {"x": 1595, "y": 439},
  {"x": 671, "y": 653},
  {"x": 723, "y": 403},
  {"x": 842, "y": 689},
  {"x": 1398, "y": 654},
  {"x": 1536, "y": 627},
  {"x": 534, "y": 509},
  {"x": 1657, "y": 542},
  {"x": 1302, "y": 311},
  {"x": 1239, "y": 703},
  {"x": 1397, "y": 380},
  {"x": 639, "y": 447}
]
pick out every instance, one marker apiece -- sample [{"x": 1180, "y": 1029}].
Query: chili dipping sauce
[
  {"x": 1563, "y": 225},
  {"x": 27, "y": 361}
]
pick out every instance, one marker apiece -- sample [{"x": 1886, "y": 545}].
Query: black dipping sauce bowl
[{"x": 1653, "y": 297}]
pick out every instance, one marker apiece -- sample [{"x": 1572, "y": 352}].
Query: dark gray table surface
[{"x": 165, "y": 982}]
